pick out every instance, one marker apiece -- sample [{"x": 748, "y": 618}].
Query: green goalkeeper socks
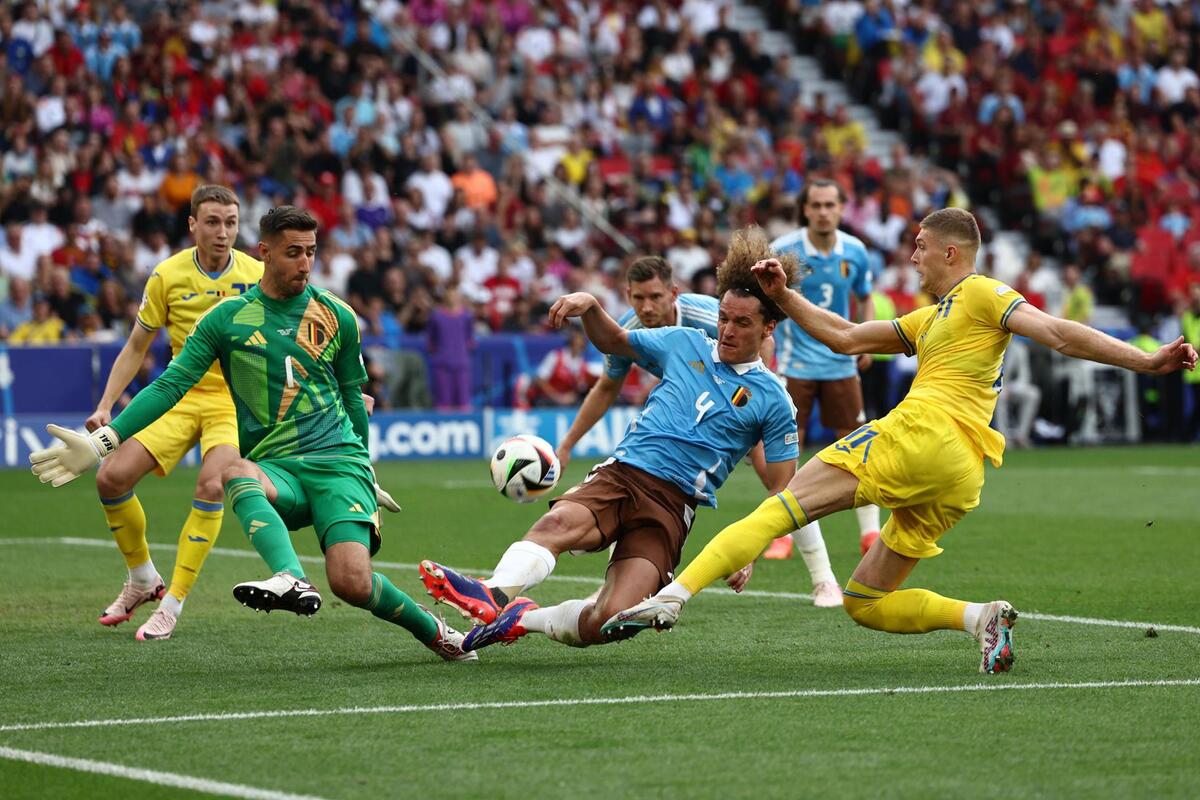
[
  {"x": 263, "y": 525},
  {"x": 392, "y": 605}
]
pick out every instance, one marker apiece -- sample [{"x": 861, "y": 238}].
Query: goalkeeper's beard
[{"x": 286, "y": 289}]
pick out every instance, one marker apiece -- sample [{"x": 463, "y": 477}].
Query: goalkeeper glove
[
  {"x": 77, "y": 454},
  {"x": 385, "y": 500}
]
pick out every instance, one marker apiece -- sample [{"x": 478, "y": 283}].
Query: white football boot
[
  {"x": 449, "y": 644},
  {"x": 994, "y": 633},
  {"x": 280, "y": 592}
]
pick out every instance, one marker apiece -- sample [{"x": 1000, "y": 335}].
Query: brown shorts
[
  {"x": 647, "y": 517},
  {"x": 841, "y": 402}
]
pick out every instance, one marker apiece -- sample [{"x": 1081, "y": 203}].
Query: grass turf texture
[{"x": 1105, "y": 533}]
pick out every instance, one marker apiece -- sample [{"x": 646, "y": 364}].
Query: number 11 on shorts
[{"x": 858, "y": 438}]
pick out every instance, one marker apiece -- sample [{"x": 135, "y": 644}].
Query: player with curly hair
[{"x": 716, "y": 400}]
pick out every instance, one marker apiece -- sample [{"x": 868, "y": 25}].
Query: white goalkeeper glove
[{"x": 78, "y": 453}]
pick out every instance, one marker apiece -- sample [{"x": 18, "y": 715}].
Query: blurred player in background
[
  {"x": 654, "y": 302},
  {"x": 716, "y": 400},
  {"x": 292, "y": 355},
  {"x": 835, "y": 267},
  {"x": 925, "y": 459},
  {"x": 179, "y": 291}
]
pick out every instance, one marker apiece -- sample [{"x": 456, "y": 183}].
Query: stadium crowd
[{"x": 1076, "y": 120}]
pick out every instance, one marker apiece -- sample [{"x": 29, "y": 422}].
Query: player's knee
[
  {"x": 112, "y": 481},
  {"x": 555, "y": 531},
  {"x": 352, "y": 586},
  {"x": 210, "y": 490},
  {"x": 861, "y": 610},
  {"x": 238, "y": 469}
]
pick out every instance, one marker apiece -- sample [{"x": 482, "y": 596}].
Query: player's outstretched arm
[
  {"x": 601, "y": 329},
  {"x": 837, "y": 333},
  {"x": 129, "y": 360},
  {"x": 1079, "y": 341},
  {"x": 600, "y": 398}
]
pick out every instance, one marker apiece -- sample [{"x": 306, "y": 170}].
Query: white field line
[
  {"x": 595, "y": 582},
  {"x": 795, "y": 694},
  {"x": 172, "y": 779}
]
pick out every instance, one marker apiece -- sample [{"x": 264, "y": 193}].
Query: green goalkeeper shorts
[{"x": 323, "y": 491}]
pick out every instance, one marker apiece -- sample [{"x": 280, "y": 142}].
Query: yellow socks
[
  {"x": 743, "y": 541},
  {"x": 903, "y": 611},
  {"x": 199, "y": 533},
  {"x": 127, "y": 521}
]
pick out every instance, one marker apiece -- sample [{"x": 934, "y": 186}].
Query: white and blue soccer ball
[{"x": 525, "y": 468}]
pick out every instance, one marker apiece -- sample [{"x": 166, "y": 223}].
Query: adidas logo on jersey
[{"x": 256, "y": 340}]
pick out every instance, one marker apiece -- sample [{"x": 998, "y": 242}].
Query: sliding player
[
  {"x": 656, "y": 302},
  {"x": 716, "y": 401}
]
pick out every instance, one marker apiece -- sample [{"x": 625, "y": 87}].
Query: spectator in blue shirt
[{"x": 1002, "y": 96}]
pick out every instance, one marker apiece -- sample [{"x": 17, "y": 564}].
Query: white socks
[
  {"x": 868, "y": 519},
  {"x": 523, "y": 565},
  {"x": 971, "y": 617},
  {"x": 172, "y": 603},
  {"x": 675, "y": 590},
  {"x": 560, "y": 622},
  {"x": 144, "y": 575},
  {"x": 812, "y": 549}
]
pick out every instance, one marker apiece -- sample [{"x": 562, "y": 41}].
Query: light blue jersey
[
  {"x": 697, "y": 311},
  {"x": 832, "y": 278},
  {"x": 704, "y": 416}
]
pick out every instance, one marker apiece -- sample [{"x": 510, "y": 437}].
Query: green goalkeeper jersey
[{"x": 294, "y": 368}]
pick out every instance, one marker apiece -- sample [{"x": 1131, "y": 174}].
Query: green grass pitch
[{"x": 1090, "y": 711}]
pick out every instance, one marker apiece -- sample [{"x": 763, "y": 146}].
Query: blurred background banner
[{"x": 395, "y": 435}]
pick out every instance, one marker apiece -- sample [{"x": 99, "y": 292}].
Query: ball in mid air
[{"x": 525, "y": 468}]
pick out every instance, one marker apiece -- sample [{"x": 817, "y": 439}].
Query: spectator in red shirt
[
  {"x": 68, "y": 59},
  {"x": 564, "y": 376},
  {"x": 503, "y": 289},
  {"x": 325, "y": 203}
]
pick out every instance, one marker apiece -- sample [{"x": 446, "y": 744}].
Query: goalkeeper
[{"x": 291, "y": 355}]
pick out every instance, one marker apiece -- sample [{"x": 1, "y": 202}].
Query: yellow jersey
[
  {"x": 959, "y": 344},
  {"x": 179, "y": 291}
]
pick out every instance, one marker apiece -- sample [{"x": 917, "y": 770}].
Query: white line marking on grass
[
  {"x": 466, "y": 483},
  {"x": 156, "y": 777},
  {"x": 226, "y": 551},
  {"x": 795, "y": 694}
]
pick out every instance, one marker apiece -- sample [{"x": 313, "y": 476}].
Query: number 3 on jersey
[{"x": 826, "y": 295}]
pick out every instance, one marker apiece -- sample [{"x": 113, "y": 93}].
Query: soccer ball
[{"x": 525, "y": 468}]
